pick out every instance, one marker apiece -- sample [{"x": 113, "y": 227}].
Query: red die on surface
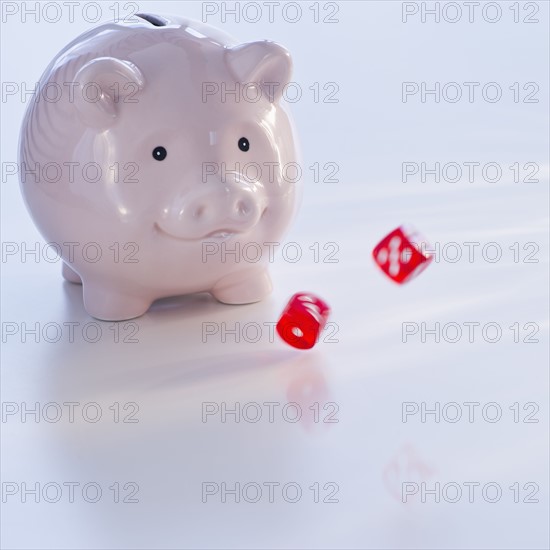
[
  {"x": 403, "y": 254},
  {"x": 303, "y": 320}
]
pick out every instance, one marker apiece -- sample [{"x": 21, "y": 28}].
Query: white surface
[{"x": 369, "y": 373}]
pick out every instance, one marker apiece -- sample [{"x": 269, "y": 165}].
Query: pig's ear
[
  {"x": 102, "y": 84},
  {"x": 266, "y": 63}
]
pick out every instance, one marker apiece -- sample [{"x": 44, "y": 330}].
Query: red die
[
  {"x": 403, "y": 254},
  {"x": 303, "y": 320}
]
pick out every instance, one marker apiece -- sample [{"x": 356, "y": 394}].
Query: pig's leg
[
  {"x": 69, "y": 274},
  {"x": 243, "y": 287},
  {"x": 111, "y": 304}
]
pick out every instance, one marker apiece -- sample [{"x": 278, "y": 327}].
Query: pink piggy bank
[{"x": 157, "y": 159}]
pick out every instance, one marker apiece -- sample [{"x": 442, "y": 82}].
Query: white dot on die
[
  {"x": 394, "y": 268},
  {"x": 395, "y": 242},
  {"x": 382, "y": 256},
  {"x": 297, "y": 332}
]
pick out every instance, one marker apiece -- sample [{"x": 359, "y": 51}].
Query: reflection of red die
[
  {"x": 402, "y": 254},
  {"x": 303, "y": 320}
]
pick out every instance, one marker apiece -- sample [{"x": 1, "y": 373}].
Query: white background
[{"x": 369, "y": 372}]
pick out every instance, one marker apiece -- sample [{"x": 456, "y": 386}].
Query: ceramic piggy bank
[{"x": 157, "y": 159}]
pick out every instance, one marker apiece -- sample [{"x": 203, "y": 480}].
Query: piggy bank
[{"x": 157, "y": 158}]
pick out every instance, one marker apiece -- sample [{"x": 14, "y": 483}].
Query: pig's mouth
[
  {"x": 219, "y": 234},
  {"x": 222, "y": 233}
]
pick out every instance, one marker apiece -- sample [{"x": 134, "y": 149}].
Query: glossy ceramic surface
[{"x": 155, "y": 158}]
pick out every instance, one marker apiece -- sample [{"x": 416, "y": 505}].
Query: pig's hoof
[
  {"x": 239, "y": 288},
  {"x": 113, "y": 306},
  {"x": 69, "y": 274}
]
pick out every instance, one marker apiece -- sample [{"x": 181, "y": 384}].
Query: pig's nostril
[
  {"x": 242, "y": 208},
  {"x": 199, "y": 211}
]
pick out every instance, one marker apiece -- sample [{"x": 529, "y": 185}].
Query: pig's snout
[{"x": 211, "y": 211}]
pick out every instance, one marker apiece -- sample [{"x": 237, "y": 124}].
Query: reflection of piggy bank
[{"x": 157, "y": 159}]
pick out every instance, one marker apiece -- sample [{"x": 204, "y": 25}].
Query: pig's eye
[
  {"x": 159, "y": 153},
  {"x": 244, "y": 144}
]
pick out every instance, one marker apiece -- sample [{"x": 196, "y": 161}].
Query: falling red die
[
  {"x": 403, "y": 254},
  {"x": 302, "y": 320}
]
